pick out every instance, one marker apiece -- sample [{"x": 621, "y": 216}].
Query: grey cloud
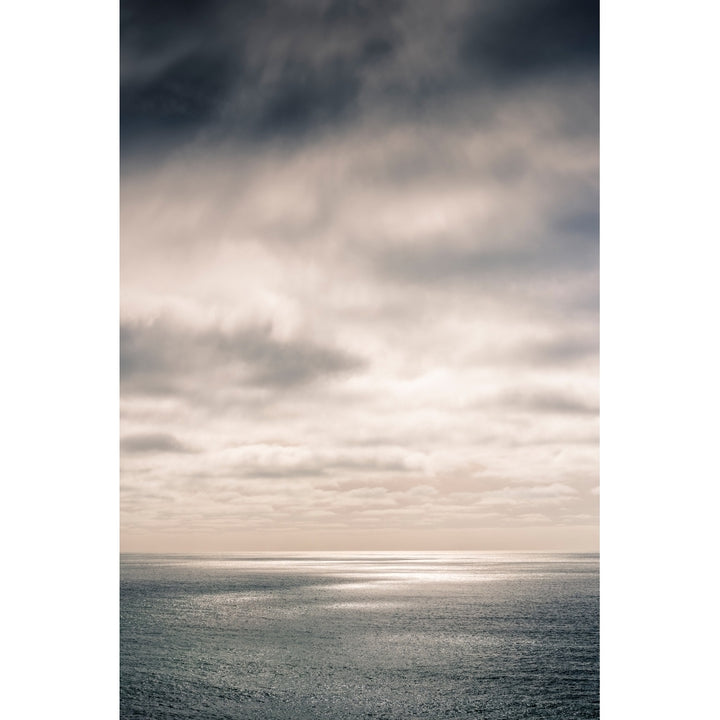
[
  {"x": 562, "y": 350},
  {"x": 566, "y": 349},
  {"x": 337, "y": 465},
  {"x": 159, "y": 357},
  {"x": 528, "y": 238},
  {"x": 581, "y": 224},
  {"x": 322, "y": 469},
  {"x": 552, "y": 402},
  {"x": 153, "y": 443},
  {"x": 542, "y": 254},
  {"x": 554, "y": 494},
  {"x": 399, "y": 483}
]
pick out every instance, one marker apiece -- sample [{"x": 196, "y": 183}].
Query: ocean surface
[{"x": 359, "y": 635}]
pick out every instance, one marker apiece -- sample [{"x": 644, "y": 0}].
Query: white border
[
  {"x": 659, "y": 358},
  {"x": 59, "y": 392}
]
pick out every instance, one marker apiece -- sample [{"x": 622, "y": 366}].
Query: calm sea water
[{"x": 372, "y": 635}]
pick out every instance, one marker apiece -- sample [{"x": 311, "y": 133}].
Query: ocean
[{"x": 400, "y": 635}]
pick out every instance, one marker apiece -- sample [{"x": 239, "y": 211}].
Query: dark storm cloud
[
  {"x": 176, "y": 68},
  {"x": 152, "y": 443},
  {"x": 179, "y": 100},
  {"x": 304, "y": 97},
  {"x": 244, "y": 70},
  {"x": 519, "y": 40},
  {"x": 256, "y": 71},
  {"x": 158, "y": 358}
]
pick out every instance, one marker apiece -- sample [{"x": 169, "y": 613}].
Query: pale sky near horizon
[{"x": 359, "y": 275}]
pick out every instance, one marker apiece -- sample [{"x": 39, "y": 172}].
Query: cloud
[
  {"x": 158, "y": 357},
  {"x": 359, "y": 265},
  {"x": 521, "y": 40},
  {"x": 258, "y": 72},
  {"x": 246, "y": 71},
  {"x": 152, "y": 443},
  {"x": 439, "y": 262},
  {"x": 562, "y": 350},
  {"x": 548, "y": 401}
]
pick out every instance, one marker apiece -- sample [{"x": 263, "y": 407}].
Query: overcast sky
[{"x": 359, "y": 275}]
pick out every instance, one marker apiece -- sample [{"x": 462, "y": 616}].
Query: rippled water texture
[{"x": 374, "y": 635}]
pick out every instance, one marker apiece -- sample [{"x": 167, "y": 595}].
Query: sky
[{"x": 359, "y": 275}]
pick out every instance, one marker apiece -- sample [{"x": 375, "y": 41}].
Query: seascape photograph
[{"x": 359, "y": 359}]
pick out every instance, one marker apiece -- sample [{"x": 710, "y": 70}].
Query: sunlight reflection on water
[{"x": 327, "y": 636}]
